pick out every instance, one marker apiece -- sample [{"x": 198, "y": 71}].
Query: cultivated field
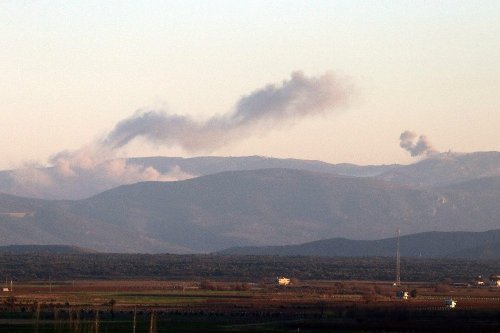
[{"x": 225, "y": 306}]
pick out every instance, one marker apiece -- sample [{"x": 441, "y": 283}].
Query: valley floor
[{"x": 225, "y": 306}]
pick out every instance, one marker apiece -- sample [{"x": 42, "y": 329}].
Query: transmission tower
[{"x": 398, "y": 262}]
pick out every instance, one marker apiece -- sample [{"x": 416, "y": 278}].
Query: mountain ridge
[
  {"x": 261, "y": 206},
  {"x": 485, "y": 245},
  {"x": 44, "y": 249},
  {"x": 51, "y": 183},
  {"x": 247, "y": 208},
  {"x": 48, "y": 183}
]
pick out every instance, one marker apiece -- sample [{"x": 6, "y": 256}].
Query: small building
[
  {"x": 479, "y": 281},
  {"x": 5, "y": 289},
  {"x": 495, "y": 280},
  {"x": 283, "y": 281},
  {"x": 450, "y": 303},
  {"x": 401, "y": 294}
]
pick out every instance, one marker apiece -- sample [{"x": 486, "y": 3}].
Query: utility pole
[{"x": 398, "y": 262}]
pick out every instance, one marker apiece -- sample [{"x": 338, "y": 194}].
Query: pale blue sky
[{"x": 71, "y": 69}]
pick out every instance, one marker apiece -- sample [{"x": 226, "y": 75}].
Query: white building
[
  {"x": 283, "y": 281},
  {"x": 479, "y": 281}
]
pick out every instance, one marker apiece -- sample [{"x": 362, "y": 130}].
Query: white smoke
[
  {"x": 69, "y": 180},
  {"x": 422, "y": 146},
  {"x": 95, "y": 167}
]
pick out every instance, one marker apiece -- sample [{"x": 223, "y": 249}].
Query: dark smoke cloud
[
  {"x": 266, "y": 108},
  {"x": 422, "y": 146}
]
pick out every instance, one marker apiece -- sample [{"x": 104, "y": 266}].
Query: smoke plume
[
  {"x": 264, "y": 109},
  {"x": 422, "y": 146},
  {"x": 96, "y": 167}
]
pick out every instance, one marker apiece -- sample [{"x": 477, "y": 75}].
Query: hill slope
[
  {"x": 247, "y": 208},
  {"x": 50, "y": 183},
  {"x": 427, "y": 245},
  {"x": 78, "y": 183},
  {"x": 44, "y": 249},
  {"x": 446, "y": 169}
]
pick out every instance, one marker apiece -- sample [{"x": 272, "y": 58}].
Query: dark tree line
[{"x": 241, "y": 268}]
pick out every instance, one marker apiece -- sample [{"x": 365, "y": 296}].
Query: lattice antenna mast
[{"x": 398, "y": 262}]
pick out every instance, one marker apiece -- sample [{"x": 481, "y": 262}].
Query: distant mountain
[
  {"x": 445, "y": 169},
  {"x": 44, "y": 249},
  {"x": 428, "y": 245},
  {"x": 207, "y": 165},
  {"x": 51, "y": 183},
  {"x": 59, "y": 183},
  {"x": 26, "y": 221},
  {"x": 483, "y": 251},
  {"x": 248, "y": 208}
]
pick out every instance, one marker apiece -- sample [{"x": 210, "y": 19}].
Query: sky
[{"x": 74, "y": 72}]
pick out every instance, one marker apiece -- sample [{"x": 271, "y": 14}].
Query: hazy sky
[{"x": 71, "y": 70}]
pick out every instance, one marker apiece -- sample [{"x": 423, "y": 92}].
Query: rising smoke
[
  {"x": 97, "y": 167},
  {"x": 422, "y": 146},
  {"x": 264, "y": 109}
]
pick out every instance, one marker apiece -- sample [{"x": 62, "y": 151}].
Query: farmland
[
  {"x": 208, "y": 293},
  {"x": 214, "y": 306}
]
